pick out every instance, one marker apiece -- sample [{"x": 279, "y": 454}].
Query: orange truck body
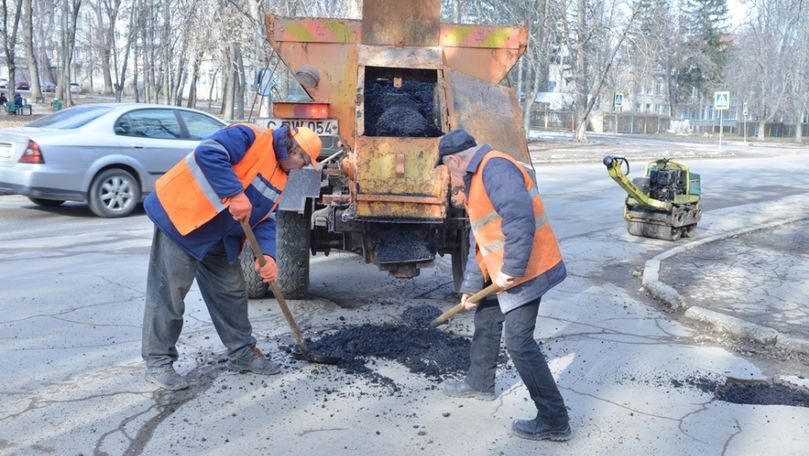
[{"x": 389, "y": 184}]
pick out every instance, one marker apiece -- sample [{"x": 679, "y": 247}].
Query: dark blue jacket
[
  {"x": 216, "y": 164},
  {"x": 512, "y": 202}
]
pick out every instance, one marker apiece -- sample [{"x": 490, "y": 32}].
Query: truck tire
[
  {"x": 292, "y": 254},
  {"x": 256, "y": 288},
  {"x": 459, "y": 257},
  {"x": 114, "y": 193}
]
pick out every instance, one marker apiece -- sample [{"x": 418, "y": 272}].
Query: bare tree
[
  {"x": 763, "y": 57},
  {"x": 28, "y": 44},
  {"x": 595, "y": 32},
  {"x": 70, "y": 14},
  {"x": 10, "y": 43}
]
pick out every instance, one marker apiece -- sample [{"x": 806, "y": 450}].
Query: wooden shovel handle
[
  {"x": 458, "y": 308},
  {"x": 282, "y": 303}
]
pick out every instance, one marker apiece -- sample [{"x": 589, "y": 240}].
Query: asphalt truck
[{"x": 385, "y": 88}]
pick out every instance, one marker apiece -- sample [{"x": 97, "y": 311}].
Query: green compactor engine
[{"x": 664, "y": 203}]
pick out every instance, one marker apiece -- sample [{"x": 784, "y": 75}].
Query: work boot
[
  {"x": 459, "y": 388},
  {"x": 537, "y": 430},
  {"x": 166, "y": 377},
  {"x": 254, "y": 362}
]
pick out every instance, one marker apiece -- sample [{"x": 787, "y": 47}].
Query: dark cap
[{"x": 453, "y": 142}]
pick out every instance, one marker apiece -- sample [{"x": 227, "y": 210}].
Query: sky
[{"x": 738, "y": 10}]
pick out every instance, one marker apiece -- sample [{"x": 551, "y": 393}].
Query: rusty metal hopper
[{"x": 393, "y": 178}]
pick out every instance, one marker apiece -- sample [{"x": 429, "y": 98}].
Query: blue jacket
[
  {"x": 217, "y": 166},
  {"x": 504, "y": 187}
]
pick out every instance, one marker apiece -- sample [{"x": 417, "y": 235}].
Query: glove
[
  {"x": 240, "y": 207},
  {"x": 269, "y": 271},
  {"x": 503, "y": 280},
  {"x": 467, "y": 304}
]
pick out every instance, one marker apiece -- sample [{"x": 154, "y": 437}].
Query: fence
[
  {"x": 632, "y": 123},
  {"x": 543, "y": 118},
  {"x": 736, "y": 127}
]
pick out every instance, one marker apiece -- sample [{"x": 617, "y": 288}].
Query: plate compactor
[{"x": 664, "y": 203}]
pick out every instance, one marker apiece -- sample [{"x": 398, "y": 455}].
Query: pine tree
[{"x": 705, "y": 26}]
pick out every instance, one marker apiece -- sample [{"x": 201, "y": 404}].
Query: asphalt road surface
[{"x": 633, "y": 376}]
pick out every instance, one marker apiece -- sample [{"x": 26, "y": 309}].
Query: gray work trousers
[
  {"x": 171, "y": 273},
  {"x": 524, "y": 352}
]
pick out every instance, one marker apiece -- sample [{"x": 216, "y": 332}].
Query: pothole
[
  {"x": 435, "y": 354},
  {"x": 761, "y": 393}
]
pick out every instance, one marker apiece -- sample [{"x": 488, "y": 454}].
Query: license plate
[{"x": 320, "y": 126}]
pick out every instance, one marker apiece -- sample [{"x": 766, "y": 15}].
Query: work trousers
[
  {"x": 524, "y": 352},
  {"x": 171, "y": 273}
]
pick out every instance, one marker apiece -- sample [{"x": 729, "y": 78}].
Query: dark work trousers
[
  {"x": 524, "y": 352},
  {"x": 171, "y": 273}
]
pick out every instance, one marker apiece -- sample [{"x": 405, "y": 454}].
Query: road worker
[
  {"x": 512, "y": 245},
  {"x": 236, "y": 174}
]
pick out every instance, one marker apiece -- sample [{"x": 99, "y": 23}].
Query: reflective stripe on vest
[
  {"x": 487, "y": 227},
  {"x": 190, "y": 200},
  {"x": 204, "y": 185}
]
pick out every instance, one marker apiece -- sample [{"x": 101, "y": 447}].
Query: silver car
[{"x": 108, "y": 155}]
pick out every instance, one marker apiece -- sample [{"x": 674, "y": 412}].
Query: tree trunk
[
  {"x": 9, "y": 43},
  {"x": 28, "y": 43},
  {"x": 581, "y": 71}
]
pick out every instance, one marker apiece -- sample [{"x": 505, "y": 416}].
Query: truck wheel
[
  {"x": 292, "y": 245},
  {"x": 459, "y": 258},
  {"x": 46, "y": 202},
  {"x": 114, "y": 193},
  {"x": 256, "y": 289}
]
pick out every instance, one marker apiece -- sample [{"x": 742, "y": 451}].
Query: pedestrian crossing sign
[
  {"x": 721, "y": 101},
  {"x": 619, "y": 100}
]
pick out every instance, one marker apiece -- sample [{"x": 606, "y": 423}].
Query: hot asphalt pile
[
  {"x": 432, "y": 353},
  {"x": 400, "y": 112},
  {"x": 429, "y": 352}
]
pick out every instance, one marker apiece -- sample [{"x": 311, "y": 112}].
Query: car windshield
[{"x": 71, "y": 118}]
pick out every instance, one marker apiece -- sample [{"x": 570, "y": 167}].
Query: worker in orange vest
[
  {"x": 512, "y": 245},
  {"x": 238, "y": 173}
]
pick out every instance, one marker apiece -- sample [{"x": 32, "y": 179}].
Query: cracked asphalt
[
  {"x": 636, "y": 376},
  {"x": 770, "y": 266}
]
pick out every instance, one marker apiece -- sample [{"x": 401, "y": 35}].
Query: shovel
[
  {"x": 458, "y": 308},
  {"x": 303, "y": 354}
]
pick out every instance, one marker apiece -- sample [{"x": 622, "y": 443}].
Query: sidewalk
[{"x": 748, "y": 282}]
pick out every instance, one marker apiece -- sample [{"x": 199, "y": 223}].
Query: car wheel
[
  {"x": 292, "y": 245},
  {"x": 256, "y": 288},
  {"x": 114, "y": 193},
  {"x": 46, "y": 202}
]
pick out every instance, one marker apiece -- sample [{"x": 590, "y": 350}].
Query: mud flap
[{"x": 302, "y": 184}]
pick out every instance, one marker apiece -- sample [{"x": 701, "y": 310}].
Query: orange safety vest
[
  {"x": 190, "y": 200},
  {"x": 488, "y": 229}
]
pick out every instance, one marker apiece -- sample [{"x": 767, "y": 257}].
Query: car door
[
  {"x": 199, "y": 126},
  {"x": 154, "y": 138}
]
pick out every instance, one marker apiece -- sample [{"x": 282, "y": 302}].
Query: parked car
[
  {"x": 22, "y": 84},
  {"x": 74, "y": 87},
  {"x": 3, "y": 83},
  {"x": 47, "y": 86},
  {"x": 108, "y": 155}
]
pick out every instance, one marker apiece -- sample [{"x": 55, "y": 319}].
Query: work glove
[
  {"x": 467, "y": 304},
  {"x": 503, "y": 280},
  {"x": 240, "y": 207},
  {"x": 269, "y": 271}
]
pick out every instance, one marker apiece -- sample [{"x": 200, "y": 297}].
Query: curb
[{"x": 719, "y": 321}]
